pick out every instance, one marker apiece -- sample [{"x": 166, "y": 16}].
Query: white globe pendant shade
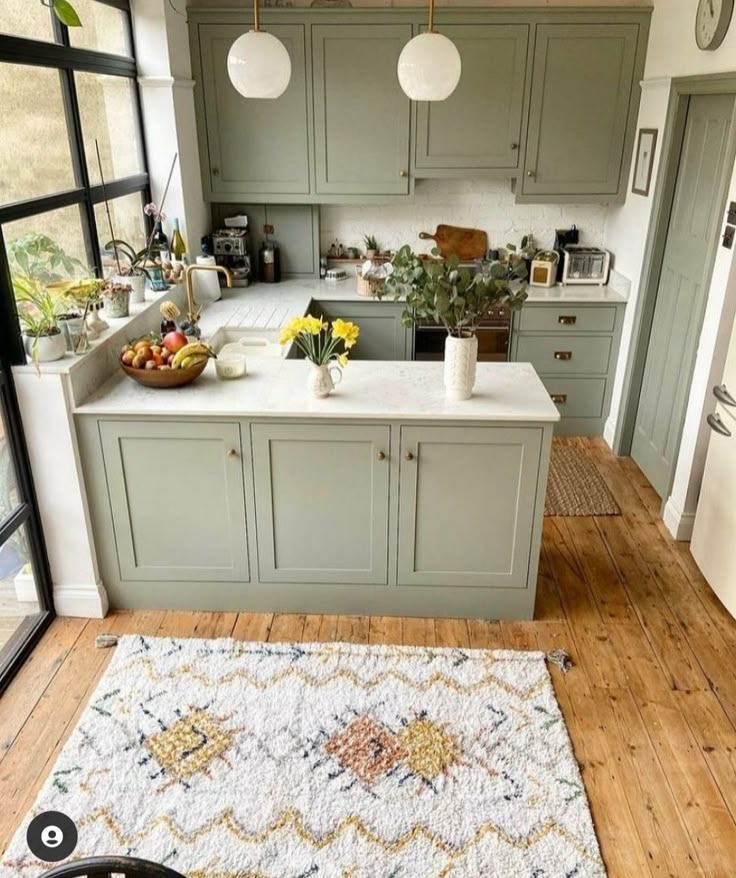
[
  {"x": 429, "y": 67},
  {"x": 259, "y": 65}
]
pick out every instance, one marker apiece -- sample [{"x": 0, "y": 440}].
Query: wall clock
[{"x": 711, "y": 23}]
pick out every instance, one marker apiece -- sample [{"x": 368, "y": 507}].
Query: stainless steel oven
[{"x": 494, "y": 339}]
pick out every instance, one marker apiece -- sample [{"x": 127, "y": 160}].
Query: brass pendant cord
[
  {"x": 431, "y": 16},
  {"x": 256, "y": 16}
]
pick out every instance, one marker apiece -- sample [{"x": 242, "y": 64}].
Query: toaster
[{"x": 585, "y": 265}]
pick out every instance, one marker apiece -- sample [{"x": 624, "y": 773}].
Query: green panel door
[
  {"x": 466, "y": 505},
  {"x": 582, "y": 84},
  {"x": 683, "y": 289},
  {"x": 382, "y": 334},
  {"x": 361, "y": 115},
  {"x": 177, "y": 500},
  {"x": 321, "y": 502},
  {"x": 479, "y": 125},
  {"x": 254, "y": 146}
]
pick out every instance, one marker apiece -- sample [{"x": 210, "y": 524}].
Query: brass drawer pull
[
  {"x": 381, "y": 456},
  {"x": 232, "y": 453},
  {"x": 567, "y": 319},
  {"x": 558, "y": 398},
  {"x": 409, "y": 456},
  {"x": 563, "y": 355}
]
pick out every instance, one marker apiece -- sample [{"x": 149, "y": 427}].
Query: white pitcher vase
[
  {"x": 322, "y": 379},
  {"x": 461, "y": 359}
]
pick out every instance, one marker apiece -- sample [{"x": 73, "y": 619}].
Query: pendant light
[
  {"x": 258, "y": 64},
  {"x": 429, "y": 65}
]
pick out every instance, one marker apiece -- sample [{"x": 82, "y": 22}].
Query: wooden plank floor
[{"x": 650, "y": 703}]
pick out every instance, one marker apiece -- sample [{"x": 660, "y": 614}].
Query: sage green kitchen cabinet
[
  {"x": 321, "y": 495},
  {"x": 583, "y": 103},
  {"x": 361, "y": 115},
  {"x": 382, "y": 334},
  {"x": 574, "y": 350},
  {"x": 177, "y": 499},
  {"x": 476, "y": 535},
  {"x": 250, "y": 146},
  {"x": 478, "y": 128}
]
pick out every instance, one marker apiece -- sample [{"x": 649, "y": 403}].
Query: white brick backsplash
[{"x": 479, "y": 204}]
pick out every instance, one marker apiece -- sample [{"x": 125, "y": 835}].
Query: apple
[
  {"x": 139, "y": 361},
  {"x": 142, "y": 345},
  {"x": 175, "y": 341},
  {"x": 128, "y": 357}
]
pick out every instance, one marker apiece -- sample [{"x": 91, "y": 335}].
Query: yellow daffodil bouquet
[{"x": 320, "y": 341}]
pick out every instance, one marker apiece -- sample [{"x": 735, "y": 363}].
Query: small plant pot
[
  {"x": 137, "y": 284},
  {"x": 45, "y": 348},
  {"x": 117, "y": 302},
  {"x": 461, "y": 360}
]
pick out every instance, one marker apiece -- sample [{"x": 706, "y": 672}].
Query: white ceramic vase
[
  {"x": 461, "y": 359},
  {"x": 322, "y": 379},
  {"x": 46, "y": 348},
  {"x": 137, "y": 284}
]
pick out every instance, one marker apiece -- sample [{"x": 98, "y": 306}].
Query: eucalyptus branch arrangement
[{"x": 457, "y": 298}]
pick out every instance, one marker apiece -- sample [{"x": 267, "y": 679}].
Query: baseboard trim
[
  {"x": 679, "y": 524},
  {"x": 609, "y": 432},
  {"x": 85, "y": 601}
]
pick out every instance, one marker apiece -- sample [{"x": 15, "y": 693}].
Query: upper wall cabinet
[
  {"x": 361, "y": 115},
  {"x": 583, "y": 78},
  {"x": 478, "y": 128},
  {"x": 253, "y": 146}
]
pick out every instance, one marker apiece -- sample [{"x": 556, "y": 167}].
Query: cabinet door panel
[
  {"x": 321, "y": 503},
  {"x": 466, "y": 517},
  {"x": 382, "y": 334},
  {"x": 177, "y": 499},
  {"x": 361, "y": 115},
  {"x": 255, "y": 146},
  {"x": 581, "y": 91},
  {"x": 566, "y": 355},
  {"x": 479, "y": 125}
]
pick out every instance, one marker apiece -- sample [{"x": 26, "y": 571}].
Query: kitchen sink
[{"x": 253, "y": 342}]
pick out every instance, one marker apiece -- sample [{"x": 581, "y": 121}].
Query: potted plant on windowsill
[
  {"x": 133, "y": 274},
  {"x": 442, "y": 292},
  {"x": 38, "y": 312}
]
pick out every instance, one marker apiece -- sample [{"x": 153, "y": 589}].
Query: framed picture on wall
[{"x": 646, "y": 147}]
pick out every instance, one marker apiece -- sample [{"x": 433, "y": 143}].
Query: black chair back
[{"x": 106, "y": 867}]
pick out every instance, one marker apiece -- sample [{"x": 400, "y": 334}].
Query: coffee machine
[{"x": 231, "y": 249}]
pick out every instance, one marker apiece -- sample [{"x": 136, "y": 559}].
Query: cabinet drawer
[
  {"x": 567, "y": 318},
  {"x": 565, "y": 355},
  {"x": 577, "y": 397}
]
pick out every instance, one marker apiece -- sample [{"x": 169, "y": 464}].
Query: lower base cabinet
[
  {"x": 382, "y": 334},
  {"x": 291, "y": 515}
]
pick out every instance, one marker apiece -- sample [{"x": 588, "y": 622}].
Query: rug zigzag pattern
[{"x": 226, "y": 760}]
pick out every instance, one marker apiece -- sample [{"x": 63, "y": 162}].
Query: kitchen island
[{"x": 383, "y": 498}]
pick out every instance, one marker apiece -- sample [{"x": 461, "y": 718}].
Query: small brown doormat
[{"x": 575, "y": 487}]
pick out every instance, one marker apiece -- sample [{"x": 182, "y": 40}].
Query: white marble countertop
[
  {"x": 375, "y": 390},
  {"x": 578, "y": 295}
]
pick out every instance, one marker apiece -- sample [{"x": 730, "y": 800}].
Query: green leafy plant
[
  {"x": 370, "y": 242},
  {"x": 40, "y": 257},
  {"x": 456, "y": 298},
  {"x": 64, "y": 11},
  {"x": 38, "y": 309},
  {"x": 137, "y": 259}
]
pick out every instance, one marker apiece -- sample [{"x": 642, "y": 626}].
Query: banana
[
  {"x": 193, "y": 360},
  {"x": 194, "y": 348}
]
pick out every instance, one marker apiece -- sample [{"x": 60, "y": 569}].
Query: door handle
[
  {"x": 721, "y": 393},
  {"x": 717, "y": 425},
  {"x": 567, "y": 319},
  {"x": 563, "y": 355}
]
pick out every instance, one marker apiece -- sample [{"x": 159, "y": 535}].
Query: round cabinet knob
[
  {"x": 531, "y": 174},
  {"x": 215, "y": 172},
  {"x": 409, "y": 456},
  {"x": 514, "y": 146},
  {"x": 232, "y": 453},
  {"x": 381, "y": 455},
  {"x": 403, "y": 173}
]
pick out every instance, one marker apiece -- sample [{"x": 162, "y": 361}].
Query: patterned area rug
[
  {"x": 251, "y": 760},
  {"x": 575, "y": 487}
]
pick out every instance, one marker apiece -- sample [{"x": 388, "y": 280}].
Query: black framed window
[{"x": 64, "y": 93}]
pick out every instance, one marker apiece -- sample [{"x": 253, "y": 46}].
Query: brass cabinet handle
[
  {"x": 514, "y": 146},
  {"x": 567, "y": 319},
  {"x": 215, "y": 172},
  {"x": 563, "y": 355},
  {"x": 232, "y": 453},
  {"x": 409, "y": 456},
  {"x": 531, "y": 174},
  {"x": 559, "y": 398},
  {"x": 403, "y": 173},
  {"x": 381, "y": 455}
]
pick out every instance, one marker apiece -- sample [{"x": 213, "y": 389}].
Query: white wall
[
  {"x": 674, "y": 53},
  {"x": 481, "y": 204}
]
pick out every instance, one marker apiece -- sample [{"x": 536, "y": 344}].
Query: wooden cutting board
[{"x": 466, "y": 244}]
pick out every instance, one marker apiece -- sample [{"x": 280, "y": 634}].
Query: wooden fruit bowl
[{"x": 165, "y": 378}]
